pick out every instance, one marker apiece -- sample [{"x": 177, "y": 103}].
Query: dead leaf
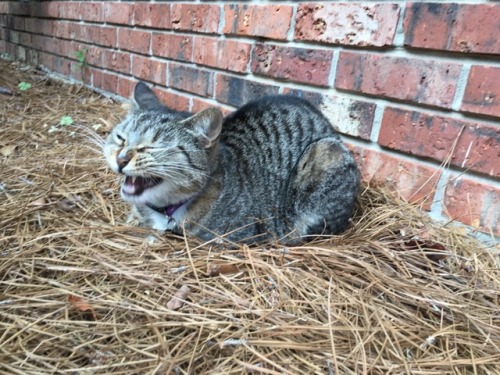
[
  {"x": 215, "y": 269},
  {"x": 81, "y": 305},
  {"x": 7, "y": 150},
  {"x": 179, "y": 298},
  {"x": 416, "y": 243},
  {"x": 69, "y": 204},
  {"x": 39, "y": 202}
]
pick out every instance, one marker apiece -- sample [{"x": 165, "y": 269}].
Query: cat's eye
[
  {"x": 120, "y": 139},
  {"x": 142, "y": 149}
]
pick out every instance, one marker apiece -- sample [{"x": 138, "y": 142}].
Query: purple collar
[{"x": 167, "y": 210}]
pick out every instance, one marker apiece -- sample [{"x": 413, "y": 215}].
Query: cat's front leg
[{"x": 143, "y": 216}]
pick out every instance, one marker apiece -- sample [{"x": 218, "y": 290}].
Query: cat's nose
[{"x": 122, "y": 161}]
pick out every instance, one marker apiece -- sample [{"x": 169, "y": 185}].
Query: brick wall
[{"x": 413, "y": 86}]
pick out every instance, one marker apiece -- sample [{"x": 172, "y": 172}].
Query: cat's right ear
[
  {"x": 144, "y": 98},
  {"x": 206, "y": 125}
]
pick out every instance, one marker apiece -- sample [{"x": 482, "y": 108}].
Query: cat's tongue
[{"x": 135, "y": 185}]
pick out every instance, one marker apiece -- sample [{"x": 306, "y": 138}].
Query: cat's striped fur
[{"x": 274, "y": 169}]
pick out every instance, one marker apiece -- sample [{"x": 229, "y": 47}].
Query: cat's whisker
[
  {"x": 87, "y": 138},
  {"x": 91, "y": 137},
  {"x": 166, "y": 174},
  {"x": 90, "y": 132}
]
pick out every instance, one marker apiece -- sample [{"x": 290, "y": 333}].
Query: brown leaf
[
  {"x": 69, "y": 204},
  {"x": 7, "y": 150},
  {"x": 214, "y": 269},
  {"x": 81, "y": 305},
  {"x": 415, "y": 244},
  {"x": 179, "y": 298}
]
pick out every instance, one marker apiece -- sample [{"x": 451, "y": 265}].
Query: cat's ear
[
  {"x": 206, "y": 125},
  {"x": 144, "y": 98}
]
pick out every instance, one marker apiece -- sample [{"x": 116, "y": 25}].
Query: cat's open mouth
[{"x": 135, "y": 185}]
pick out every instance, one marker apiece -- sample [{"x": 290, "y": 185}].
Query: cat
[{"x": 272, "y": 170}]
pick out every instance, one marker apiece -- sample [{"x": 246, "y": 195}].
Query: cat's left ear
[
  {"x": 206, "y": 125},
  {"x": 144, "y": 98}
]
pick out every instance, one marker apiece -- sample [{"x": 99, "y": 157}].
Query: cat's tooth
[{"x": 133, "y": 179}]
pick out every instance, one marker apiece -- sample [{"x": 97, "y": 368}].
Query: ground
[{"x": 83, "y": 293}]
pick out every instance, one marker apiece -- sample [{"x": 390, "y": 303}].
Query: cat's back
[
  {"x": 273, "y": 129},
  {"x": 282, "y": 114},
  {"x": 263, "y": 141}
]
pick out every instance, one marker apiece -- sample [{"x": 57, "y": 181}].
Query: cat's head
[{"x": 165, "y": 156}]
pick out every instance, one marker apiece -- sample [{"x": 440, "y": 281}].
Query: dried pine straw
[{"x": 82, "y": 293}]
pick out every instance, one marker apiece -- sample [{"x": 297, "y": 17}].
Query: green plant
[
  {"x": 66, "y": 120},
  {"x": 81, "y": 57},
  {"x": 23, "y": 86}
]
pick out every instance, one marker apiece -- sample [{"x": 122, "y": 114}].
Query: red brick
[
  {"x": 125, "y": 87},
  {"x": 175, "y": 47},
  {"x": 473, "y": 203},
  {"x": 470, "y": 28},
  {"x": 200, "y": 104},
  {"x": 91, "y": 11},
  {"x": 107, "y": 36},
  {"x": 18, "y": 23},
  {"x": 19, "y": 8},
  {"x": 62, "y": 65},
  {"x": 66, "y": 48},
  {"x": 104, "y": 80},
  {"x": 172, "y": 99},
  {"x": 10, "y": 48},
  {"x": 347, "y": 24},
  {"x": 236, "y": 91},
  {"x": 427, "y": 135},
  {"x": 82, "y": 32},
  {"x": 3, "y": 45},
  {"x": 77, "y": 71},
  {"x": 47, "y": 60},
  {"x": 45, "y": 27},
  {"x": 60, "y": 29},
  {"x": 33, "y": 57},
  {"x": 120, "y": 13},
  {"x": 152, "y": 15},
  {"x": 21, "y": 53},
  {"x": 195, "y": 17},
  {"x": 117, "y": 61},
  {"x": 421, "y": 81},
  {"x": 25, "y": 39},
  {"x": 411, "y": 181},
  {"x": 310, "y": 66},
  {"x": 348, "y": 116},
  {"x": 134, "y": 40},
  {"x": 13, "y": 36},
  {"x": 93, "y": 55},
  {"x": 222, "y": 54},
  {"x": 46, "y": 9},
  {"x": 31, "y": 25},
  {"x": 482, "y": 93},
  {"x": 46, "y": 44},
  {"x": 191, "y": 79},
  {"x": 147, "y": 69},
  {"x": 69, "y": 10},
  {"x": 268, "y": 21}
]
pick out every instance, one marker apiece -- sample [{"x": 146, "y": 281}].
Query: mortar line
[{"x": 461, "y": 86}]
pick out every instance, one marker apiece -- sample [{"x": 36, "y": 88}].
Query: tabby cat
[{"x": 273, "y": 170}]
